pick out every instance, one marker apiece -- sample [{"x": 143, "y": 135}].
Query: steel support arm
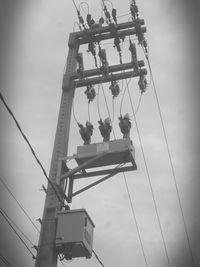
[
  {"x": 82, "y": 166},
  {"x": 114, "y": 172}
]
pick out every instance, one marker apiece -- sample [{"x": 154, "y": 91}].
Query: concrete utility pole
[{"x": 47, "y": 254}]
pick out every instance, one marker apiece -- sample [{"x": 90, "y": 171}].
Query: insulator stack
[
  {"x": 132, "y": 49},
  {"x": 104, "y": 62},
  {"x": 114, "y": 87},
  {"x": 125, "y": 125},
  {"x": 114, "y": 15},
  {"x": 86, "y": 132},
  {"x": 90, "y": 93},
  {"x": 142, "y": 83},
  {"x": 105, "y": 128},
  {"x": 90, "y": 20}
]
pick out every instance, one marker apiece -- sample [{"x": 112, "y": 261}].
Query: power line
[
  {"x": 74, "y": 115},
  {"x": 24, "y": 243},
  {"x": 98, "y": 258},
  {"x": 31, "y": 148},
  {"x": 113, "y": 106},
  {"x": 122, "y": 99},
  {"x": 75, "y": 5},
  {"x": 138, "y": 106},
  {"x": 21, "y": 207},
  {"x": 89, "y": 112},
  {"x": 135, "y": 219},
  {"x": 98, "y": 102},
  {"x": 170, "y": 159},
  {"x": 150, "y": 184},
  {"x": 8, "y": 217},
  {"x": 5, "y": 261}
]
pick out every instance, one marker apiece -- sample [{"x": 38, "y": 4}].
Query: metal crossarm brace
[
  {"x": 82, "y": 166},
  {"x": 114, "y": 172}
]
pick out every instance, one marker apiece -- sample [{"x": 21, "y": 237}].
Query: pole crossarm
[
  {"x": 106, "y": 36},
  {"x": 111, "y": 28},
  {"x": 108, "y": 32},
  {"x": 111, "y": 69},
  {"x": 109, "y": 78}
]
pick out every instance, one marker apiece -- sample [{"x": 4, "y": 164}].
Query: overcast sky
[{"x": 33, "y": 51}]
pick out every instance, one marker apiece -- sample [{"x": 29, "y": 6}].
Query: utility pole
[{"x": 47, "y": 254}]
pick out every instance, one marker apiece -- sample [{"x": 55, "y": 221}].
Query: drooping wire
[
  {"x": 98, "y": 108},
  {"x": 9, "y": 191},
  {"x": 124, "y": 15},
  {"x": 81, "y": 7},
  {"x": 109, "y": 2},
  {"x": 150, "y": 184},
  {"x": 74, "y": 113},
  {"x": 113, "y": 106},
  {"x": 135, "y": 219},
  {"x": 5, "y": 261},
  {"x": 97, "y": 258},
  {"x": 30, "y": 146},
  {"x": 138, "y": 105},
  {"x": 24, "y": 243},
  {"x": 171, "y": 162},
  {"x": 122, "y": 99},
  {"x": 88, "y": 111}
]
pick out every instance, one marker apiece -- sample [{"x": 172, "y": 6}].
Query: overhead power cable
[
  {"x": 122, "y": 99},
  {"x": 97, "y": 258},
  {"x": 138, "y": 106},
  {"x": 9, "y": 191},
  {"x": 74, "y": 115},
  {"x": 4, "y": 261},
  {"x": 150, "y": 184},
  {"x": 31, "y": 148},
  {"x": 171, "y": 162},
  {"x": 24, "y": 243},
  {"x": 16, "y": 226},
  {"x": 75, "y": 5},
  {"x": 98, "y": 108},
  {"x": 135, "y": 220}
]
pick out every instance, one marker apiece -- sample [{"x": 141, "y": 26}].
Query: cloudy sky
[{"x": 33, "y": 51}]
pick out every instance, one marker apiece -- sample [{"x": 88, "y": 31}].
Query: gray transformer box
[{"x": 74, "y": 236}]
